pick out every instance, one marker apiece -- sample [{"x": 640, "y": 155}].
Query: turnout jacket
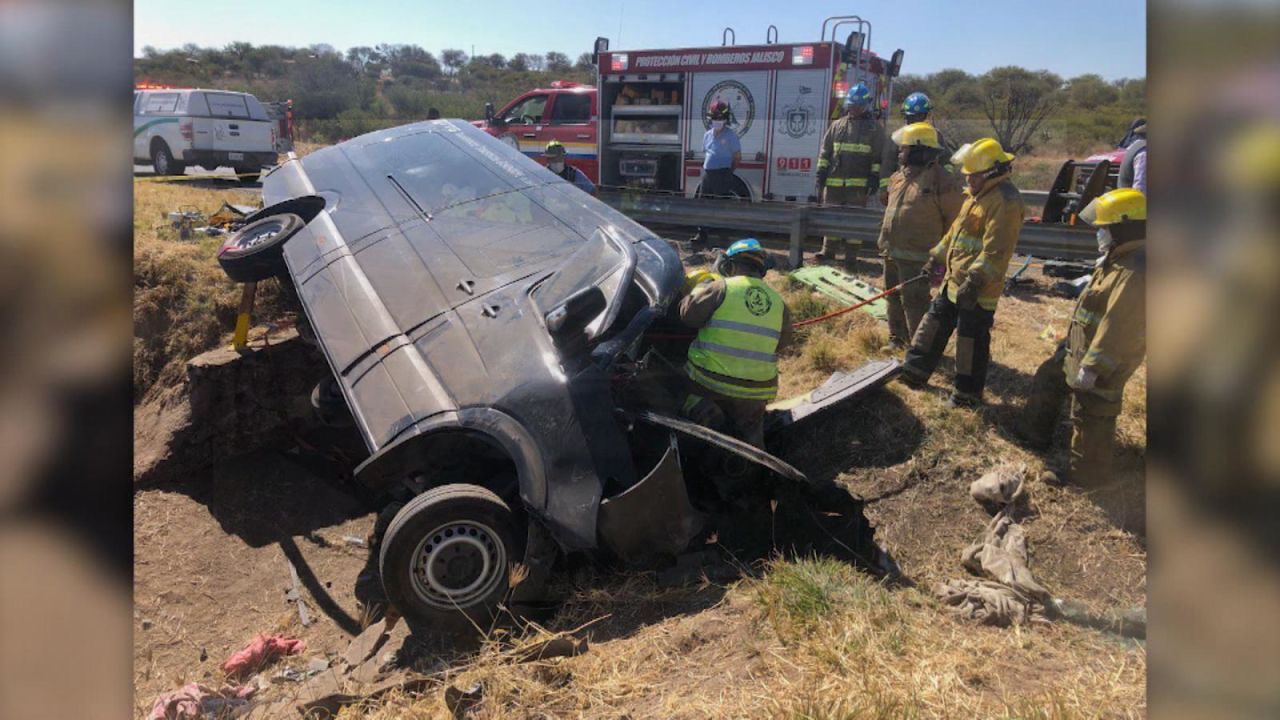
[
  {"x": 1108, "y": 326},
  {"x": 923, "y": 202},
  {"x": 850, "y": 154},
  {"x": 981, "y": 241}
]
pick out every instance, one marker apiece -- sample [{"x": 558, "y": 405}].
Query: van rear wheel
[
  {"x": 256, "y": 251},
  {"x": 163, "y": 162},
  {"x": 445, "y": 559}
]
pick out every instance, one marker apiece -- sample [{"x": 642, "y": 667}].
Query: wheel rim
[
  {"x": 457, "y": 565},
  {"x": 257, "y": 236},
  {"x": 161, "y": 163}
]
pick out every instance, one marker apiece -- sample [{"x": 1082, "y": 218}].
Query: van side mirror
[
  {"x": 488, "y": 112},
  {"x": 895, "y": 63},
  {"x": 569, "y": 319},
  {"x": 601, "y": 46}
]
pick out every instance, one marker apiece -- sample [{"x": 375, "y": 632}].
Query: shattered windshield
[{"x": 605, "y": 261}]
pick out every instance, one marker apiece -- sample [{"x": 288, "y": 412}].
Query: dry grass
[
  {"x": 813, "y": 638},
  {"x": 183, "y": 304}
]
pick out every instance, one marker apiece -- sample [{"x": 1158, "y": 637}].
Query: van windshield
[{"x": 603, "y": 261}]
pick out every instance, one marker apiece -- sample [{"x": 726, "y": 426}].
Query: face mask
[
  {"x": 555, "y": 166},
  {"x": 1105, "y": 241},
  {"x": 717, "y": 124}
]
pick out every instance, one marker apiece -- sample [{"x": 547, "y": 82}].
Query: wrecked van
[{"x": 492, "y": 331}]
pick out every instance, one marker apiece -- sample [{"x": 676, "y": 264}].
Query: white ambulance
[
  {"x": 175, "y": 128},
  {"x": 782, "y": 96}
]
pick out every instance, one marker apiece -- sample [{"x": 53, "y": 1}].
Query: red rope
[{"x": 841, "y": 311}]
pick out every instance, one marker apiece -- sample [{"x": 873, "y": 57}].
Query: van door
[
  {"x": 234, "y": 127},
  {"x": 571, "y": 124}
]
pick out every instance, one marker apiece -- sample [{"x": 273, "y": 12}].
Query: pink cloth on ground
[{"x": 259, "y": 652}]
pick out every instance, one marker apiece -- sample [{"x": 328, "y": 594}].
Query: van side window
[
  {"x": 227, "y": 105},
  {"x": 160, "y": 103},
  {"x": 571, "y": 109}
]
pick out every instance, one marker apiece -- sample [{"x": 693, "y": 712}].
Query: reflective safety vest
[{"x": 735, "y": 353}]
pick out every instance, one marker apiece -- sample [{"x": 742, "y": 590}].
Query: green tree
[
  {"x": 1090, "y": 92},
  {"x": 1016, "y": 102},
  {"x": 453, "y": 59},
  {"x": 558, "y": 62}
]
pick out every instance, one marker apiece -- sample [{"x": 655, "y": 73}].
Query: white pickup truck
[{"x": 173, "y": 129}]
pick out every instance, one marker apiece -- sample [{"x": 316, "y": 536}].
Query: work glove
[
  {"x": 1086, "y": 379},
  {"x": 967, "y": 295}
]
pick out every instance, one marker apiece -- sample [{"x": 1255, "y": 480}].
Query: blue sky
[{"x": 1107, "y": 37}]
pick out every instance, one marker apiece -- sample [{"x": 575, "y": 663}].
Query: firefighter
[
  {"x": 1105, "y": 343},
  {"x": 555, "y": 155},
  {"x": 733, "y": 363},
  {"x": 975, "y": 252},
  {"x": 723, "y": 152},
  {"x": 915, "y": 109},
  {"x": 849, "y": 166},
  {"x": 923, "y": 200}
]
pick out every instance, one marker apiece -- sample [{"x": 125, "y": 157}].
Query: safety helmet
[
  {"x": 719, "y": 110},
  {"x": 858, "y": 95},
  {"x": 921, "y": 133},
  {"x": 916, "y": 105},
  {"x": 980, "y": 156},
  {"x": 749, "y": 250},
  {"x": 1119, "y": 205},
  {"x": 554, "y": 149}
]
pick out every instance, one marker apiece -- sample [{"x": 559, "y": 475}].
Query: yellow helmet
[
  {"x": 921, "y": 133},
  {"x": 1119, "y": 205},
  {"x": 980, "y": 156}
]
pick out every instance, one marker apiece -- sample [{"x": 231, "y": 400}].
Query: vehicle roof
[{"x": 191, "y": 90}]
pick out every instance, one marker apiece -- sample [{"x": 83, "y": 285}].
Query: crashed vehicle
[{"x": 494, "y": 333}]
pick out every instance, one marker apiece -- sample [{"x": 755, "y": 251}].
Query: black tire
[
  {"x": 163, "y": 161},
  {"x": 256, "y": 251},
  {"x": 445, "y": 559}
]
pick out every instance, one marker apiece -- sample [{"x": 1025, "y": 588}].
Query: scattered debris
[
  {"x": 460, "y": 702},
  {"x": 260, "y": 651},
  {"x": 230, "y": 217},
  {"x": 294, "y": 595},
  {"x": 561, "y": 646},
  {"x": 194, "y": 701},
  {"x": 1007, "y": 593},
  {"x": 356, "y": 541}
]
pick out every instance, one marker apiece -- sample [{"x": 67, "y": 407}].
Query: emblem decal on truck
[
  {"x": 799, "y": 116},
  {"x": 742, "y": 106}
]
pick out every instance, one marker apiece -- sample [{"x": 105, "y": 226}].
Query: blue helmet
[
  {"x": 858, "y": 95},
  {"x": 917, "y": 103},
  {"x": 744, "y": 245}
]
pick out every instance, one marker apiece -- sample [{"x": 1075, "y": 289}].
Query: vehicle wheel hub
[{"x": 458, "y": 564}]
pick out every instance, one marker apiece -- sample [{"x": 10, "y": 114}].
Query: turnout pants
[
  {"x": 1093, "y": 422},
  {"x": 856, "y": 197},
  {"x": 907, "y": 306},
  {"x": 973, "y": 344}
]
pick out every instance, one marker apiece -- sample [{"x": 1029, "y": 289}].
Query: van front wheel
[{"x": 445, "y": 560}]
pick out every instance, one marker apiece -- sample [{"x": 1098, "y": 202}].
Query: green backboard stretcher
[{"x": 842, "y": 288}]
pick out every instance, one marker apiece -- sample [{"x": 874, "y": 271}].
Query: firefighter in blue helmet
[
  {"x": 742, "y": 325},
  {"x": 849, "y": 165}
]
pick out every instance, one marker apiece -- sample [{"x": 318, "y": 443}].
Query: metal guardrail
[{"x": 801, "y": 221}]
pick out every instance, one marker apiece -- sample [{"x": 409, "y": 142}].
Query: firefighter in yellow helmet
[
  {"x": 849, "y": 165},
  {"x": 1105, "y": 343},
  {"x": 733, "y": 363},
  {"x": 923, "y": 200},
  {"x": 975, "y": 252}
]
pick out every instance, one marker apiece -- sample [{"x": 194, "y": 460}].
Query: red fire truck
[
  {"x": 565, "y": 111},
  {"x": 782, "y": 96}
]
